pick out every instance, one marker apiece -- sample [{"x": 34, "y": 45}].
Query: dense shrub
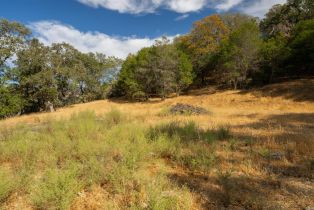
[
  {"x": 156, "y": 71},
  {"x": 10, "y": 103}
]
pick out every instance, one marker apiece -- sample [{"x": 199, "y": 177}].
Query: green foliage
[
  {"x": 274, "y": 52},
  {"x": 57, "y": 189},
  {"x": 12, "y": 37},
  {"x": 60, "y": 75},
  {"x": 203, "y": 40},
  {"x": 235, "y": 20},
  {"x": 302, "y": 48},
  {"x": 158, "y": 70},
  {"x": 227, "y": 49},
  {"x": 287, "y": 49},
  {"x": 35, "y": 77},
  {"x": 239, "y": 54},
  {"x": 281, "y": 19},
  {"x": 127, "y": 84},
  {"x": 10, "y": 103},
  {"x": 185, "y": 74},
  {"x": 57, "y": 75}
]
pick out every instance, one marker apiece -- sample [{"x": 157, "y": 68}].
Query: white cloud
[
  {"x": 50, "y": 32},
  {"x": 251, "y": 7},
  {"x": 125, "y": 6},
  {"x": 228, "y": 4},
  {"x": 182, "y": 17},
  {"x": 147, "y": 6},
  {"x": 260, "y": 7},
  {"x": 183, "y": 6}
]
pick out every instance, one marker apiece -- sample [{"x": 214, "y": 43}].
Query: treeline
[
  {"x": 45, "y": 77},
  {"x": 231, "y": 50},
  {"x": 155, "y": 71}
]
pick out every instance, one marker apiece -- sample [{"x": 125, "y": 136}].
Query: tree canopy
[
  {"x": 156, "y": 71},
  {"x": 58, "y": 75},
  {"x": 229, "y": 50}
]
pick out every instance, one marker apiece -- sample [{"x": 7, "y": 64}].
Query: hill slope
[{"x": 255, "y": 151}]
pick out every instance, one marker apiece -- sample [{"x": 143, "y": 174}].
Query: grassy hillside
[{"x": 253, "y": 151}]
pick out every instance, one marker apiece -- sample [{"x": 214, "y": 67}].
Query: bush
[
  {"x": 185, "y": 144},
  {"x": 223, "y": 133},
  {"x": 57, "y": 189},
  {"x": 186, "y": 132},
  {"x": 10, "y": 103}
]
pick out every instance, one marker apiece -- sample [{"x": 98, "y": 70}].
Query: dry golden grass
[{"x": 248, "y": 174}]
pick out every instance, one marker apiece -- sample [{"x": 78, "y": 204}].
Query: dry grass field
[{"x": 262, "y": 155}]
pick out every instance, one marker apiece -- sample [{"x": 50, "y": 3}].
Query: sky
[{"x": 119, "y": 27}]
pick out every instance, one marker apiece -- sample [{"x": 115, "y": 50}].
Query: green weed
[
  {"x": 7, "y": 185},
  {"x": 56, "y": 189}
]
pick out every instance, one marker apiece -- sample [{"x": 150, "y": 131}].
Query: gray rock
[{"x": 276, "y": 155}]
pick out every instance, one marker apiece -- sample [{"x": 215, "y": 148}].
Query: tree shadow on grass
[
  {"x": 228, "y": 192},
  {"x": 127, "y": 101},
  {"x": 290, "y": 181},
  {"x": 292, "y": 125},
  {"x": 301, "y": 90},
  {"x": 294, "y": 143}
]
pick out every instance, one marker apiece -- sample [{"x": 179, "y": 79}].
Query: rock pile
[{"x": 187, "y": 109}]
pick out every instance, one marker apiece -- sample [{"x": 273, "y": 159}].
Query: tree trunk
[
  {"x": 49, "y": 107},
  {"x": 235, "y": 83},
  {"x": 271, "y": 75}
]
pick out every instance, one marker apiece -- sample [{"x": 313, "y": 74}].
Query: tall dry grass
[{"x": 254, "y": 151}]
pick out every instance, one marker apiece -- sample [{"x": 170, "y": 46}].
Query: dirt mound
[{"x": 187, "y": 109}]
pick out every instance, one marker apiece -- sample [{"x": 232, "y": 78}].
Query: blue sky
[{"x": 118, "y": 27}]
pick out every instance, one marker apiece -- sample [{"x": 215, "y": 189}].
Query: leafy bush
[{"x": 10, "y": 103}]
